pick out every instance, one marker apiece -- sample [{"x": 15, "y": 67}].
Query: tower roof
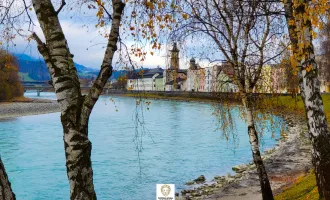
[
  {"x": 192, "y": 59},
  {"x": 175, "y": 48}
]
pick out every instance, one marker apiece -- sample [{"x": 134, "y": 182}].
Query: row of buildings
[
  {"x": 217, "y": 78},
  {"x": 195, "y": 78}
]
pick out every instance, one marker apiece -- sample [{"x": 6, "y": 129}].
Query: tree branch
[
  {"x": 106, "y": 67},
  {"x": 37, "y": 39},
  {"x": 61, "y": 7},
  {"x": 106, "y": 11}
]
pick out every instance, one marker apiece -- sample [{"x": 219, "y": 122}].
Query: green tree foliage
[{"x": 10, "y": 85}]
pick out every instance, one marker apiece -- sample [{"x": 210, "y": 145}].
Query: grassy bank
[
  {"x": 291, "y": 105},
  {"x": 304, "y": 187}
]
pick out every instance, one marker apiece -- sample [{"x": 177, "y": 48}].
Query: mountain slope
[{"x": 36, "y": 69}]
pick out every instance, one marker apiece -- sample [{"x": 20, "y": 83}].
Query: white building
[
  {"x": 193, "y": 77},
  {"x": 144, "y": 80}
]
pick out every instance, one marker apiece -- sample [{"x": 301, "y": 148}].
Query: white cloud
[{"x": 86, "y": 45}]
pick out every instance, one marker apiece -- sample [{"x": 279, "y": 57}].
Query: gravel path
[{"x": 35, "y": 107}]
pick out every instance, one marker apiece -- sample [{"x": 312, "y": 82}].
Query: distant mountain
[
  {"x": 82, "y": 68},
  {"x": 118, "y": 73},
  {"x": 36, "y": 69},
  {"x": 21, "y": 56}
]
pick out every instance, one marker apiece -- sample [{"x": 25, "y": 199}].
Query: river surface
[{"x": 180, "y": 143}]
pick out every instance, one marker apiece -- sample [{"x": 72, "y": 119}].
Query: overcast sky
[{"x": 86, "y": 43}]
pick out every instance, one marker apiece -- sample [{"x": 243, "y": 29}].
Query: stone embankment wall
[{"x": 201, "y": 95}]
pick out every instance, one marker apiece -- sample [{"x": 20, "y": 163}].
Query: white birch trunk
[
  {"x": 75, "y": 107},
  {"x": 254, "y": 141},
  {"x": 6, "y": 192},
  {"x": 310, "y": 92}
]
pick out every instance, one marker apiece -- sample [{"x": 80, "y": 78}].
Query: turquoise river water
[{"x": 182, "y": 143}]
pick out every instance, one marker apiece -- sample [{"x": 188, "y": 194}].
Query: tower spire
[{"x": 174, "y": 57}]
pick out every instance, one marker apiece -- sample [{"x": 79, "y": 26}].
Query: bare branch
[
  {"x": 61, "y": 7},
  {"x": 106, "y": 67},
  {"x": 37, "y": 39}
]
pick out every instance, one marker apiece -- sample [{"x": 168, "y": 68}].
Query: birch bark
[
  {"x": 75, "y": 107},
  {"x": 6, "y": 192},
  {"x": 254, "y": 141},
  {"x": 310, "y": 93}
]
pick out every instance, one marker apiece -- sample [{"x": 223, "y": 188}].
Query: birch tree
[
  {"x": 243, "y": 32},
  {"x": 75, "y": 107},
  {"x": 324, "y": 68},
  {"x": 6, "y": 192},
  {"x": 301, "y": 16}
]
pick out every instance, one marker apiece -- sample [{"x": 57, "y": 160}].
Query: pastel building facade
[
  {"x": 223, "y": 78},
  {"x": 146, "y": 80}
]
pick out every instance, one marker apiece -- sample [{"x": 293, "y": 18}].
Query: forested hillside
[
  {"x": 10, "y": 85},
  {"x": 36, "y": 69}
]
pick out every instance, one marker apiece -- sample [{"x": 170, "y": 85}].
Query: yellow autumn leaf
[
  {"x": 309, "y": 68},
  {"x": 185, "y": 16},
  {"x": 102, "y": 23},
  {"x": 314, "y": 34},
  {"x": 150, "y": 5}
]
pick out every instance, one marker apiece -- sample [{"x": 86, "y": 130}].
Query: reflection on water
[
  {"x": 184, "y": 145},
  {"x": 9, "y": 119}
]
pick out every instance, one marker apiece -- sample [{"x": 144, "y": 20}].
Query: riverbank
[
  {"x": 289, "y": 159},
  {"x": 182, "y": 96},
  {"x": 27, "y": 107},
  {"x": 284, "y": 163}
]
